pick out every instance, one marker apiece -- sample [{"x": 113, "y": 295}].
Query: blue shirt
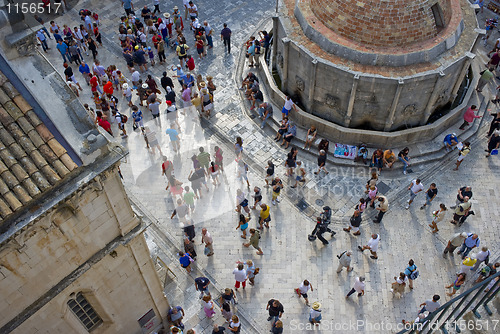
[
  {"x": 58, "y": 37},
  {"x": 410, "y": 269},
  {"x": 63, "y": 48},
  {"x": 469, "y": 242},
  {"x": 127, "y": 4},
  {"x": 40, "y": 35},
  {"x": 172, "y": 133},
  {"x": 84, "y": 69},
  {"x": 188, "y": 80},
  {"x": 251, "y": 50},
  {"x": 226, "y": 32},
  {"x": 137, "y": 116},
  {"x": 180, "y": 74},
  {"x": 185, "y": 260},
  {"x": 449, "y": 138}
]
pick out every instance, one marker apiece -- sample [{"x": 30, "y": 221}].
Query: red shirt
[
  {"x": 108, "y": 88},
  {"x": 199, "y": 44},
  {"x": 104, "y": 124},
  {"x": 190, "y": 63},
  {"x": 93, "y": 83}
]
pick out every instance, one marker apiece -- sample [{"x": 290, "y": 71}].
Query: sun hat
[
  {"x": 145, "y": 86},
  {"x": 167, "y": 15},
  {"x": 125, "y": 86},
  {"x": 316, "y": 306}
]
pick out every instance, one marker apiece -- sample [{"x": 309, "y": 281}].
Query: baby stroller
[{"x": 322, "y": 226}]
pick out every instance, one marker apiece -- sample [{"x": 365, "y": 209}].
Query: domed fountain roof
[{"x": 384, "y": 23}]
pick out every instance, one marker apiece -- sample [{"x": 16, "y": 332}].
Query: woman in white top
[
  {"x": 235, "y": 325},
  {"x": 240, "y": 275},
  {"x": 438, "y": 216},
  {"x": 303, "y": 289}
]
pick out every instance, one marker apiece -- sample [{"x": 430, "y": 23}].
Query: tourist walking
[
  {"x": 219, "y": 158},
  {"x": 382, "y": 207},
  {"x": 173, "y": 134},
  {"x": 415, "y": 187},
  {"x": 493, "y": 143},
  {"x": 457, "y": 284},
  {"x": 181, "y": 210},
  {"x": 372, "y": 245},
  {"x": 243, "y": 225},
  {"x": 207, "y": 239},
  {"x": 354, "y": 223},
  {"x": 269, "y": 173},
  {"x": 461, "y": 212},
  {"x": 240, "y": 276},
  {"x": 485, "y": 77},
  {"x": 238, "y": 147},
  {"x": 315, "y": 313},
  {"x": 482, "y": 256},
  {"x": 225, "y": 36},
  {"x": 277, "y": 185},
  {"x": 226, "y": 311},
  {"x": 302, "y": 290},
  {"x": 242, "y": 202},
  {"x": 277, "y": 327},
  {"x": 257, "y": 196},
  {"x": 455, "y": 242},
  {"x": 254, "y": 241},
  {"x": 243, "y": 172},
  {"x": 275, "y": 309},
  {"x": 251, "y": 272},
  {"x": 430, "y": 305},
  {"x": 175, "y": 315},
  {"x": 430, "y": 194},
  {"x": 438, "y": 216},
  {"x": 201, "y": 284},
  {"x": 235, "y": 324},
  {"x": 359, "y": 287},
  {"x": 462, "y": 193},
  {"x": 344, "y": 261},
  {"x": 185, "y": 261},
  {"x": 321, "y": 162},
  {"x": 208, "y": 306},
  {"x": 469, "y": 116},
  {"x": 411, "y": 272},
  {"x": 264, "y": 216},
  {"x": 462, "y": 153},
  {"x": 189, "y": 248},
  {"x": 472, "y": 241}
]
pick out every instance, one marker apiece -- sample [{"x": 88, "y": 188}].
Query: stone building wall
[{"x": 51, "y": 248}]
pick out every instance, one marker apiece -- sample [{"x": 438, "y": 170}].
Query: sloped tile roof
[{"x": 32, "y": 161}]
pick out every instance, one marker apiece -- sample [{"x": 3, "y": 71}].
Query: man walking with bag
[{"x": 206, "y": 239}]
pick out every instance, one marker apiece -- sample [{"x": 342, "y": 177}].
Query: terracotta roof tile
[
  {"x": 47, "y": 153},
  {"x": 50, "y": 174},
  {"x": 56, "y": 147},
  {"x": 23, "y": 105},
  {"x": 32, "y": 161},
  {"x": 68, "y": 162},
  {"x": 31, "y": 187},
  {"x": 13, "y": 110},
  {"x": 3, "y": 97},
  {"x": 12, "y": 200},
  {"x": 40, "y": 180},
  {"x": 10, "y": 90},
  {"x": 21, "y": 194},
  {"x": 44, "y": 132},
  {"x": 60, "y": 168},
  {"x": 33, "y": 118},
  {"x": 25, "y": 124},
  {"x": 35, "y": 138},
  {"x": 4, "y": 209},
  {"x": 5, "y": 118}
]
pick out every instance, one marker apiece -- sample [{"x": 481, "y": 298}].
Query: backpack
[
  {"x": 124, "y": 118},
  {"x": 182, "y": 50},
  {"x": 413, "y": 274}
]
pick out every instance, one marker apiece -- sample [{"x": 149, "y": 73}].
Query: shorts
[
  {"x": 456, "y": 217},
  {"x": 269, "y": 178},
  {"x": 156, "y": 116},
  {"x": 299, "y": 178},
  {"x": 303, "y": 295},
  {"x": 461, "y": 157},
  {"x": 182, "y": 57},
  {"x": 267, "y": 220},
  {"x": 244, "y": 203},
  {"x": 200, "y": 51},
  {"x": 289, "y": 138},
  {"x": 310, "y": 138},
  {"x": 153, "y": 143},
  {"x": 285, "y": 111},
  {"x": 73, "y": 79},
  {"x": 412, "y": 195},
  {"x": 128, "y": 98},
  {"x": 185, "y": 266},
  {"x": 244, "y": 226}
]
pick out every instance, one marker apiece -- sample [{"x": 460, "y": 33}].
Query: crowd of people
[{"x": 144, "y": 41}]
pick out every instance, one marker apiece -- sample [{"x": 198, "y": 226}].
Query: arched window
[{"x": 82, "y": 309}]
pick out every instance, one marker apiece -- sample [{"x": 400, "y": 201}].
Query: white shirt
[
  {"x": 207, "y": 238},
  {"x": 288, "y": 104},
  {"x": 358, "y": 285},
  {"x": 304, "y": 288},
  {"x": 127, "y": 92},
  {"x": 373, "y": 243},
  {"x": 193, "y": 8},
  {"x": 240, "y": 275},
  {"x": 196, "y": 24},
  {"x": 314, "y": 314},
  {"x": 136, "y": 76},
  {"x": 78, "y": 34},
  {"x": 416, "y": 187},
  {"x": 401, "y": 281},
  {"x": 186, "y": 2},
  {"x": 240, "y": 198},
  {"x": 481, "y": 256}
]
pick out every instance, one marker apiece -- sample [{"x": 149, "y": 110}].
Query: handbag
[
  {"x": 206, "y": 251},
  {"x": 134, "y": 126},
  {"x": 494, "y": 152}
]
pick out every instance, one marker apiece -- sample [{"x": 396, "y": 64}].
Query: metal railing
[{"x": 449, "y": 315}]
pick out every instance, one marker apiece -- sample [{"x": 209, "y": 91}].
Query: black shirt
[
  {"x": 166, "y": 81},
  {"x": 322, "y": 160},
  {"x": 146, "y": 13},
  {"x": 68, "y": 72},
  {"x": 220, "y": 330},
  {"x": 258, "y": 95},
  {"x": 432, "y": 192},
  {"x": 464, "y": 193},
  {"x": 170, "y": 97},
  {"x": 270, "y": 170},
  {"x": 201, "y": 282},
  {"x": 356, "y": 220},
  {"x": 275, "y": 311}
]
